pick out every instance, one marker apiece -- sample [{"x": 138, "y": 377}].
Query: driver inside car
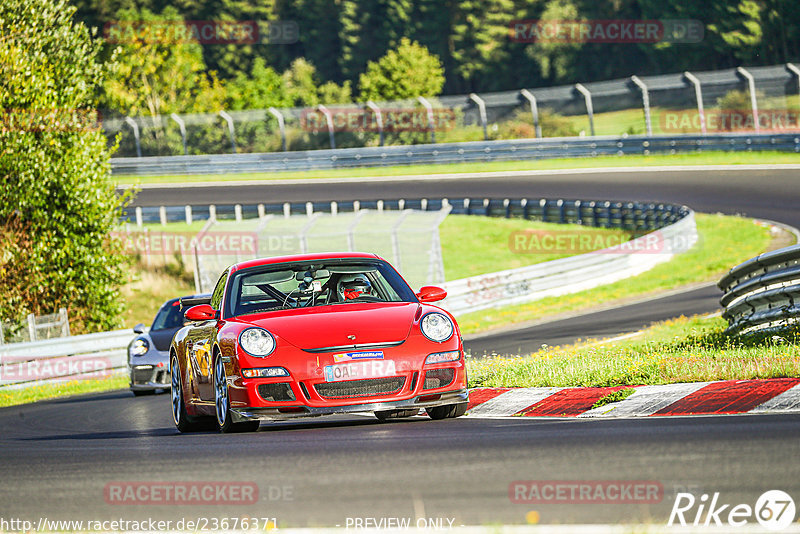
[{"x": 353, "y": 286}]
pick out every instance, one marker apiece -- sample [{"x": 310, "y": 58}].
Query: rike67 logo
[{"x": 773, "y": 510}]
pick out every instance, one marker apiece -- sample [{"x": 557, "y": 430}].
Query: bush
[{"x": 57, "y": 202}]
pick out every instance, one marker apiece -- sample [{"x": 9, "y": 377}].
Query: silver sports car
[{"x": 148, "y": 352}]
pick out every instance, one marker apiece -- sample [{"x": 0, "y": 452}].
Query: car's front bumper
[
  {"x": 295, "y": 411},
  {"x": 144, "y": 377}
]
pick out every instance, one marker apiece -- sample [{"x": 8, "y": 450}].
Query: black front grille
[
  {"x": 142, "y": 376},
  {"x": 360, "y": 388},
  {"x": 280, "y": 391},
  {"x": 439, "y": 378}
]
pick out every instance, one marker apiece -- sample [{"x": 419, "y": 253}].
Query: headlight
[
  {"x": 264, "y": 372},
  {"x": 138, "y": 347},
  {"x": 257, "y": 342},
  {"x": 437, "y": 327},
  {"x": 443, "y": 357}
]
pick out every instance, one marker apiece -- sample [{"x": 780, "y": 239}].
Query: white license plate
[{"x": 359, "y": 370}]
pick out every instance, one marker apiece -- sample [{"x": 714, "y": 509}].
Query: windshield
[
  {"x": 304, "y": 284},
  {"x": 169, "y": 316}
]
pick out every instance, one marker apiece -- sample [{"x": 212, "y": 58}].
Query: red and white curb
[{"x": 779, "y": 395}]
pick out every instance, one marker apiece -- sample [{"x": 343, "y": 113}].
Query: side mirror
[
  {"x": 139, "y": 329},
  {"x": 201, "y": 312},
  {"x": 431, "y": 294}
]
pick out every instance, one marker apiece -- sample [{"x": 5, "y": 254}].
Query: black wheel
[
  {"x": 222, "y": 403},
  {"x": 143, "y": 392},
  {"x": 395, "y": 414},
  {"x": 183, "y": 421},
  {"x": 447, "y": 411}
]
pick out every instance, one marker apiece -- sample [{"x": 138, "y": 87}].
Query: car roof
[{"x": 303, "y": 257}]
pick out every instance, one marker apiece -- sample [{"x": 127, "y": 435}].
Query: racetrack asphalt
[
  {"x": 59, "y": 457},
  {"x": 771, "y": 194}
]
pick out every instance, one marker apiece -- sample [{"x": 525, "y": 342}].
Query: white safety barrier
[
  {"x": 63, "y": 359},
  {"x": 570, "y": 275}
]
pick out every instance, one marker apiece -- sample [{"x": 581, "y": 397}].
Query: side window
[{"x": 219, "y": 289}]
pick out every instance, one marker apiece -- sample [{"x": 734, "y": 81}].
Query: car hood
[{"x": 330, "y": 326}]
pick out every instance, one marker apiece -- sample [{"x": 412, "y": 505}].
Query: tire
[
  {"x": 222, "y": 404},
  {"x": 447, "y": 411},
  {"x": 395, "y": 414},
  {"x": 143, "y": 392},
  {"x": 183, "y": 421}
]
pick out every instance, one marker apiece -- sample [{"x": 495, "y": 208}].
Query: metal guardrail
[
  {"x": 763, "y": 292},
  {"x": 62, "y": 359},
  {"x": 520, "y": 149},
  {"x": 94, "y": 355}
]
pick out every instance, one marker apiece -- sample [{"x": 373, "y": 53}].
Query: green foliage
[
  {"x": 57, "y": 202},
  {"x": 406, "y": 72},
  {"x": 261, "y": 88},
  {"x": 521, "y": 126},
  {"x": 153, "y": 76}
]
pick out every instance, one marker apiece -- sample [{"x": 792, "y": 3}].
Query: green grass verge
[
  {"x": 717, "y": 251},
  {"x": 616, "y": 396},
  {"x": 681, "y": 350},
  {"x": 703, "y": 158},
  {"x": 13, "y": 397}
]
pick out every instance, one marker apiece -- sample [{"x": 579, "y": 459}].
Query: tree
[
  {"x": 408, "y": 71},
  {"x": 261, "y": 88},
  {"x": 57, "y": 201},
  {"x": 157, "y": 76}
]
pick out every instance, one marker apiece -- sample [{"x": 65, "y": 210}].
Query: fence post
[
  {"x": 698, "y": 92},
  {"x": 482, "y": 111},
  {"x": 281, "y": 125},
  {"x": 231, "y": 132},
  {"x": 378, "y": 119},
  {"x": 32, "y": 326},
  {"x": 135, "y": 127},
  {"x": 62, "y": 315},
  {"x": 587, "y": 96},
  {"x": 751, "y": 82},
  {"x": 646, "y": 102},
  {"x": 182, "y": 126},
  {"x": 534, "y": 111},
  {"x": 796, "y": 71},
  {"x": 429, "y": 108},
  {"x": 329, "y": 119}
]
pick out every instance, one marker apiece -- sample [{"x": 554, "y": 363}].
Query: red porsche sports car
[{"x": 315, "y": 334}]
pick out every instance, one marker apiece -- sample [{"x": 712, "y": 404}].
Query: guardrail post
[
  {"x": 646, "y": 102},
  {"x": 578, "y": 209},
  {"x": 231, "y": 132},
  {"x": 524, "y": 205},
  {"x": 543, "y": 208},
  {"x": 212, "y": 212},
  {"x": 162, "y": 215},
  {"x": 262, "y": 212},
  {"x": 287, "y": 210},
  {"x": 62, "y": 316},
  {"x": 32, "y": 327},
  {"x": 587, "y": 96},
  {"x": 329, "y": 119},
  {"x": 429, "y": 108},
  {"x": 334, "y": 208},
  {"x": 751, "y": 82},
  {"x": 138, "y": 212},
  {"x": 698, "y": 93},
  {"x": 423, "y": 204},
  {"x": 237, "y": 212},
  {"x": 534, "y": 111},
  {"x": 401, "y": 204},
  {"x": 188, "y": 212},
  {"x": 380, "y": 206},
  {"x": 182, "y": 126},
  {"x": 281, "y": 125},
  {"x": 378, "y": 119},
  {"x": 796, "y": 71},
  {"x": 135, "y": 127},
  {"x": 507, "y": 207},
  {"x": 482, "y": 112},
  {"x": 309, "y": 209}
]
